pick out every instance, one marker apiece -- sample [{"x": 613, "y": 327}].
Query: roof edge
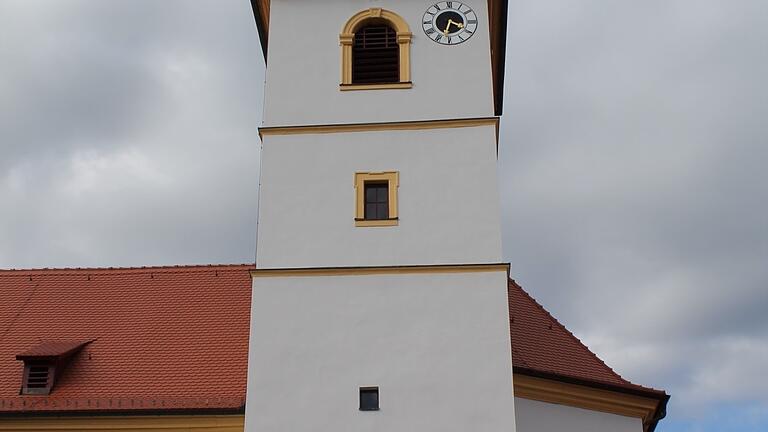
[
  {"x": 649, "y": 423},
  {"x": 498, "y": 10},
  {"x": 69, "y": 350},
  {"x": 123, "y": 413},
  {"x": 570, "y": 333},
  {"x": 113, "y": 270},
  {"x": 632, "y": 389},
  {"x": 262, "y": 24}
]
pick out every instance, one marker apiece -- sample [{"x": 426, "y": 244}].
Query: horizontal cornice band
[
  {"x": 557, "y": 392},
  {"x": 385, "y": 126},
  {"x": 356, "y": 271}
]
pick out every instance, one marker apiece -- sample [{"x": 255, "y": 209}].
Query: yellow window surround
[
  {"x": 347, "y": 37},
  {"x": 392, "y": 178}
]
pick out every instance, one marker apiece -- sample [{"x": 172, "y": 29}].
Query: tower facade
[{"x": 379, "y": 296}]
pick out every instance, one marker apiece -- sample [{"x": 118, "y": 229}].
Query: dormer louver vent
[
  {"x": 38, "y": 378},
  {"x": 44, "y": 363}
]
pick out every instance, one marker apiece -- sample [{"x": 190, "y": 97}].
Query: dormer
[{"x": 44, "y": 364}]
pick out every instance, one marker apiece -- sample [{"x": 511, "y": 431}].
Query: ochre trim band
[
  {"x": 368, "y": 127},
  {"x": 544, "y": 390},
  {"x": 356, "y": 271}
]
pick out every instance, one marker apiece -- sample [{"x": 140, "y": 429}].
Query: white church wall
[
  {"x": 448, "y": 199},
  {"x": 305, "y": 68},
  {"x": 436, "y": 345},
  {"x": 535, "y": 416}
]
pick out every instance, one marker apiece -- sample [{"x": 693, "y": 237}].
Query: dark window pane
[
  {"x": 370, "y": 211},
  {"x": 369, "y": 399},
  {"x": 370, "y": 193},
  {"x": 376, "y": 200},
  {"x": 383, "y": 194},
  {"x": 382, "y": 211}
]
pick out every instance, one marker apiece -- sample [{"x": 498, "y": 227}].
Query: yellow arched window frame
[{"x": 347, "y": 37}]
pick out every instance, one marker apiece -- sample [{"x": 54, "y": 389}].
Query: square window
[
  {"x": 376, "y": 198},
  {"x": 369, "y": 398}
]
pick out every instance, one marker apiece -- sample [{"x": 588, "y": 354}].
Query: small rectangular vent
[{"x": 369, "y": 398}]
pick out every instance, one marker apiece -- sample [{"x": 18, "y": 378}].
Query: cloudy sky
[{"x": 631, "y": 169}]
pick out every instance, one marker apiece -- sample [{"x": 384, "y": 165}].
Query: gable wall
[{"x": 535, "y": 416}]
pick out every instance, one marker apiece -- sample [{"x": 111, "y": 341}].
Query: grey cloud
[
  {"x": 634, "y": 192},
  {"x": 131, "y": 136},
  {"x": 79, "y": 74}
]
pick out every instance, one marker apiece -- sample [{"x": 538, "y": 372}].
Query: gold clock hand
[{"x": 448, "y": 27}]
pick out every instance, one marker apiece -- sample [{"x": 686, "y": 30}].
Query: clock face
[{"x": 449, "y": 22}]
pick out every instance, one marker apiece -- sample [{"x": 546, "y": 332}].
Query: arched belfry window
[
  {"x": 375, "y": 55},
  {"x": 375, "y": 51}
]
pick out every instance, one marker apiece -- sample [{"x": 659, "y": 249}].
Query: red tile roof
[
  {"x": 543, "y": 346},
  {"x": 176, "y": 338},
  {"x": 166, "y": 338}
]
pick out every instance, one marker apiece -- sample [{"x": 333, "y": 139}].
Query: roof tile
[
  {"x": 165, "y": 337},
  {"x": 540, "y": 343}
]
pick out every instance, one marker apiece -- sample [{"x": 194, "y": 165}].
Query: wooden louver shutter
[
  {"x": 375, "y": 55},
  {"x": 38, "y": 378}
]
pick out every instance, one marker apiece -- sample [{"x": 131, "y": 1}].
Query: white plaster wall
[
  {"x": 535, "y": 416},
  {"x": 448, "y": 199},
  {"x": 437, "y": 345},
  {"x": 304, "y": 68}
]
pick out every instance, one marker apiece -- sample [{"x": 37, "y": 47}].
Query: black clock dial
[{"x": 449, "y": 22}]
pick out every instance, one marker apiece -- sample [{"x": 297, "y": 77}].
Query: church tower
[{"x": 379, "y": 297}]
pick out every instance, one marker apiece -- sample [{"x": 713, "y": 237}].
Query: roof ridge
[
  {"x": 51, "y": 271},
  {"x": 582, "y": 345}
]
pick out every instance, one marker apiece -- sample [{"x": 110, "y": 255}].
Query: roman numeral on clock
[{"x": 449, "y": 22}]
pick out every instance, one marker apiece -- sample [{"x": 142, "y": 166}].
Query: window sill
[
  {"x": 376, "y": 222},
  {"x": 387, "y": 86}
]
